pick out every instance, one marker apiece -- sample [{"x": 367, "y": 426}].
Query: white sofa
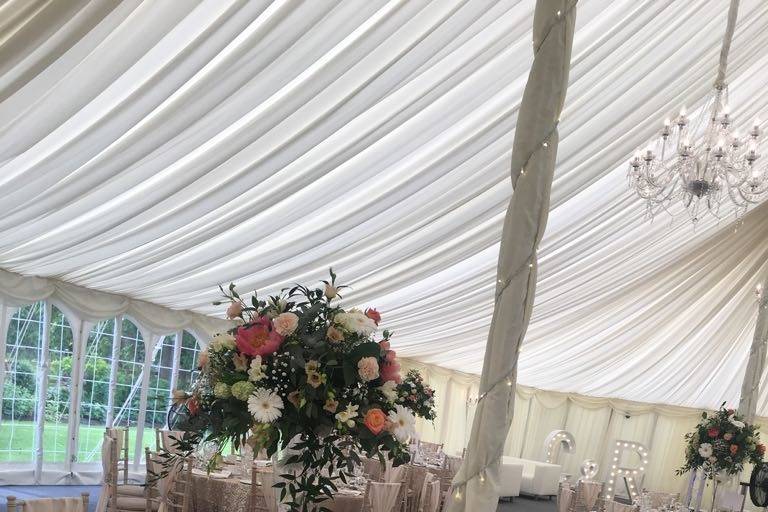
[
  {"x": 510, "y": 478},
  {"x": 539, "y": 479}
]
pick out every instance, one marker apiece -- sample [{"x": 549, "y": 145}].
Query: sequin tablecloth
[{"x": 232, "y": 495}]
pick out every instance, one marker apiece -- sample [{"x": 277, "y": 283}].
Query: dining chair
[
  {"x": 123, "y": 498},
  {"x": 263, "y": 494},
  {"x": 120, "y": 435},
  {"x": 424, "y": 492},
  {"x": 383, "y": 497},
  {"x": 168, "y": 440},
  {"x": 434, "y": 497},
  {"x": 179, "y": 488},
  {"x": 49, "y": 504},
  {"x": 452, "y": 463},
  {"x": 430, "y": 447}
]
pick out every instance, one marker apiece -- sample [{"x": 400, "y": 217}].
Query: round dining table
[{"x": 233, "y": 494}]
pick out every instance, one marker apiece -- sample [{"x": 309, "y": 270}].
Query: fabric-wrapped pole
[
  {"x": 750, "y": 386},
  {"x": 475, "y": 486}
]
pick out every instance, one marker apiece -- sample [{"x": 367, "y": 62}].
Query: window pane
[
  {"x": 17, "y": 416},
  {"x": 160, "y": 383},
  {"x": 129, "y": 371},
  {"x": 59, "y": 385},
  {"x": 97, "y": 366},
  {"x": 190, "y": 352}
]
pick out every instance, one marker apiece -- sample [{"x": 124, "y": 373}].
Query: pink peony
[
  {"x": 384, "y": 344},
  {"x": 391, "y": 371},
  {"x": 258, "y": 339},
  {"x": 286, "y": 323},
  {"x": 368, "y": 369},
  {"x": 234, "y": 310},
  {"x": 390, "y": 356}
]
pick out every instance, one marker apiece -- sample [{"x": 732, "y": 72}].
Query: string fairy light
[{"x": 502, "y": 284}]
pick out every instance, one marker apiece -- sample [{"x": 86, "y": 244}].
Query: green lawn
[{"x": 17, "y": 442}]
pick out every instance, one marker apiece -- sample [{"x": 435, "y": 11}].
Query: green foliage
[{"x": 18, "y": 402}]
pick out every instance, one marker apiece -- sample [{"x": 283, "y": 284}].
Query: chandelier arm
[{"x": 733, "y": 12}]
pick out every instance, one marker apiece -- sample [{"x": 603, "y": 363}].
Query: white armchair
[
  {"x": 510, "y": 478},
  {"x": 540, "y": 479}
]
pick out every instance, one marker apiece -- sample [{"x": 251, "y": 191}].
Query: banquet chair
[
  {"x": 123, "y": 498},
  {"x": 452, "y": 463},
  {"x": 167, "y": 440},
  {"x": 372, "y": 468},
  {"x": 416, "y": 477},
  {"x": 565, "y": 496},
  {"x": 383, "y": 497},
  {"x": 433, "y": 498},
  {"x": 120, "y": 435},
  {"x": 179, "y": 488},
  {"x": 49, "y": 504},
  {"x": 430, "y": 447},
  {"x": 263, "y": 495},
  {"x": 585, "y": 497},
  {"x": 661, "y": 498},
  {"x": 424, "y": 492}
]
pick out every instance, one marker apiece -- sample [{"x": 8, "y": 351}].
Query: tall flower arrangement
[
  {"x": 722, "y": 443},
  {"x": 300, "y": 369}
]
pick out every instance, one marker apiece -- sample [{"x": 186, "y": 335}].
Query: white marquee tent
[{"x": 151, "y": 150}]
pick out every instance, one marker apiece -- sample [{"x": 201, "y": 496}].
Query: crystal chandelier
[{"x": 702, "y": 161}]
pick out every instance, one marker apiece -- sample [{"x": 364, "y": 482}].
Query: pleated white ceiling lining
[{"x": 156, "y": 149}]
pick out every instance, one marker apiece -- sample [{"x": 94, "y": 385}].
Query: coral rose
[
  {"x": 258, "y": 339},
  {"x": 373, "y": 315},
  {"x": 384, "y": 344},
  {"x": 234, "y": 310},
  {"x": 368, "y": 369},
  {"x": 285, "y": 323},
  {"x": 734, "y": 449},
  {"x": 760, "y": 448},
  {"x": 375, "y": 420},
  {"x": 713, "y": 432}
]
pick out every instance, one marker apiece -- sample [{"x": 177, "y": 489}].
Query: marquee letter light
[
  {"x": 553, "y": 442},
  {"x": 631, "y": 475}
]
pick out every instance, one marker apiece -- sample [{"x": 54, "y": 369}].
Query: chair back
[
  {"x": 452, "y": 464},
  {"x": 434, "y": 495},
  {"x": 109, "y": 470},
  {"x": 168, "y": 440},
  {"x": 49, "y": 504},
  {"x": 565, "y": 497},
  {"x": 263, "y": 495},
  {"x": 445, "y": 476},
  {"x": 397, "y": 474},
  {"x": 120, "y": 435},
  {"x": 383, "y": 497},
  {"x": 430, "y": 447},
  {"x": 423, "y": 494},
  {"x": 179, "y": 489},
  {"x": 585, "y": 497}
]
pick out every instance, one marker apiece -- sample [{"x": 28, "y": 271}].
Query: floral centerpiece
[
  {"x": 721, "y": 444},
  {"x": 301, "y": 372}
]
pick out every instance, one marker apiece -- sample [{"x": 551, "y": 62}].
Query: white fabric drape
[
  {"x": 750, "y": 386},
  {"x": 156, "y": 149},
  {"x": 533, "y": 165}
]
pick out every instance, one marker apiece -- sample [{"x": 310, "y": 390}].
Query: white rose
[
  {"x": 705, "y": 450},
  {"x": 736, "y": 423},
  {"x": 223, "y": 342},
  {"x": 389, "y": 391},
  {"x": 356, "y": 321}
]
